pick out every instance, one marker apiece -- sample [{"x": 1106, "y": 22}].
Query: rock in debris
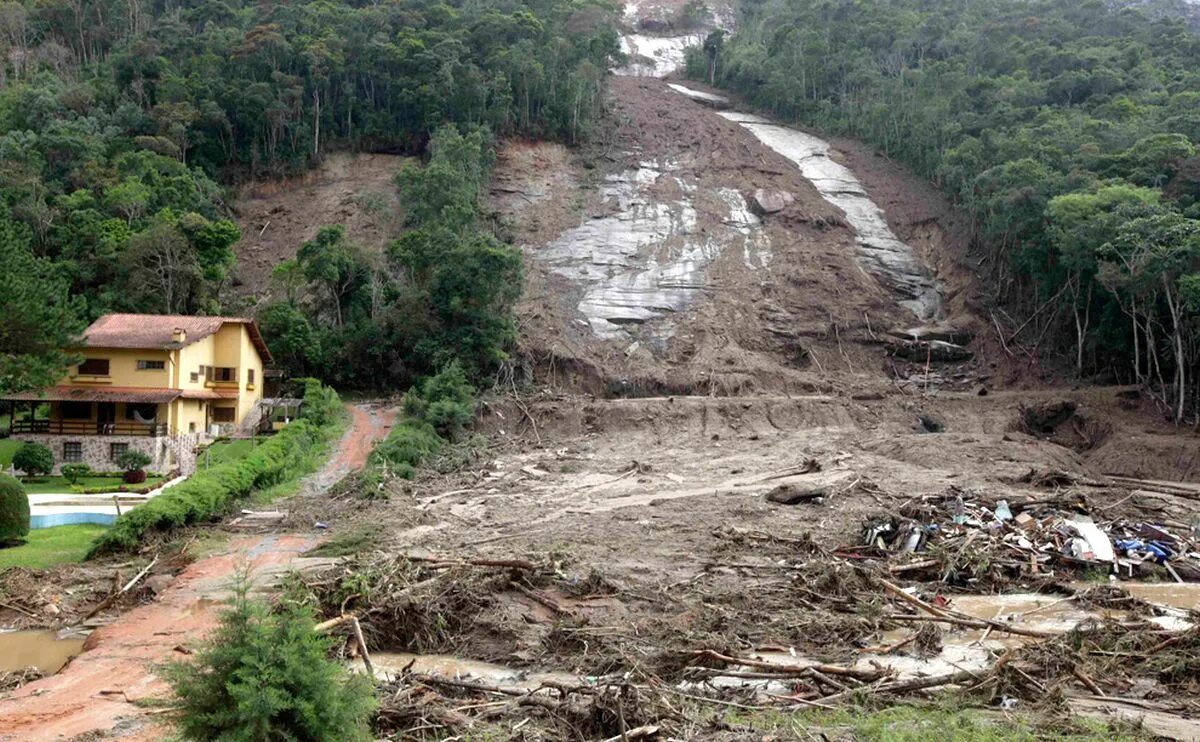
[
  {"x": 158, "y": 584},
  {"x": 770, "y": 201}
]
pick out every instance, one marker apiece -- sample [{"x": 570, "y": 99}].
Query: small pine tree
[
  {"x": 266, "y": 675},
  {"x": 14, "y": 510}
]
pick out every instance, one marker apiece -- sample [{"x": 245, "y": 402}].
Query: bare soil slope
[{"x": 275, "y": 217}]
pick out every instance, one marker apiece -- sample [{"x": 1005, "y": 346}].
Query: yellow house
[{"x": 155, "y": 383}]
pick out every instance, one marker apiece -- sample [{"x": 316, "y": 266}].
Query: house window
[
  {"x": 142, "y": 413},
  {"x": 72, "y": 452},
  {"x": 151, "y": 365},
  {"x": 222, "y": 414},
  {"x": 192, "y": 427},
  {"x": 94, "y": 367},
  {"x": 195, "y": 377},
  {"x": 249, "y": 377},
  {"x": 222, "y": 374},
  {"x": 75, "y": 410},
  {"x": 116, "y": 449}
]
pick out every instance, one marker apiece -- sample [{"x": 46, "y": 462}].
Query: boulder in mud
[
  {"x": 770, "y": 201},
  {"x": 655, "y": 25},
  {"x": 787, "y": 494},
  {"x": 1043, "y": 418},
  {"x": 940, "y": 332}
]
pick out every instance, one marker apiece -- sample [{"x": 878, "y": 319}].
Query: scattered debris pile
[{"x": 963, "y": 538}]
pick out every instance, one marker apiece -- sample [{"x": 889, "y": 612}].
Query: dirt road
[{"x": 102, "y": 690}]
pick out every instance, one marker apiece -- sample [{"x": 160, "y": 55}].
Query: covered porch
[{"x": 109, "y": 411}]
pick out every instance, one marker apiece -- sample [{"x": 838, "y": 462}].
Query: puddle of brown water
[
  {"x": 457, "y": 668},
  {"x": 41, "y": 649},
  {"x": 1185, "y": 596}
]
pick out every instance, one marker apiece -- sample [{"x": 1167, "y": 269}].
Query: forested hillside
[
  {"x": 1067, "y": 130},
  {"x": 121, "y": 123}
]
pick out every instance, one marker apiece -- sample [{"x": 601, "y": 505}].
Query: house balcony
[{"x": 87, "y": 427}]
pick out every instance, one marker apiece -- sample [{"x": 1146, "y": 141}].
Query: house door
[{"x": 106, "y": 417}]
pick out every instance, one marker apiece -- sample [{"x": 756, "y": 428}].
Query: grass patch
[
  {"x": 60, "y": 485},
  {"x": 907, "y": 723},
  {"x": 223, "y": 452},
  {"x": 350, "y": 542},
  {"x": 8, "y": 447},
  {"x": 47, "y": 547}
]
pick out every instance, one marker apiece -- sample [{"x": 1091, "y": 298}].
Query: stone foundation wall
[{"x": 165, "y": 452}]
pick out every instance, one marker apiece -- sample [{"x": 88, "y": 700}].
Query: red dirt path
[{"x": 97, "y": 691}]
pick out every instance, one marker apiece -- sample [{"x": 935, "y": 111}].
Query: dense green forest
[
  {"x": 1067, "y": 130},
  {"x": 123, "y": 123}
]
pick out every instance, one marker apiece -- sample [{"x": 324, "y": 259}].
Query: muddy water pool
[{"x": 44, "y": 650}]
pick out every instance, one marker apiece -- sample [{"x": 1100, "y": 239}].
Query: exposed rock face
[
  {"x": 711, "y": 100},
  {"x": 764, "y": 201},
  {"x": 881, "y": 252}
]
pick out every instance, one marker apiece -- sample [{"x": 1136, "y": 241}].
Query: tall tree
[{"x": 39, "y": 321}]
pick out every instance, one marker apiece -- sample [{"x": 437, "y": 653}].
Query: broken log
[
  {"x": 850, "y": 672},
  {"x": 906, "y": 686},
  {"x": 128, "y": 586},
  {"x": 973, "y": 623},
  {"x": 451, "y": 562}
]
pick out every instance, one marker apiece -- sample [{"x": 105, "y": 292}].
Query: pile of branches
[
  {"x": 606, "y": 708},
  {"x": 1114, "y": 659},
  {"x": 418, "y": 603},
  {"x": 11, "y": 680}
]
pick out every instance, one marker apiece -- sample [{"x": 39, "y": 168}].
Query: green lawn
[
  {"x": 47, "y": 547},
  {"x": 47, "y": 485},
  {"x": 222, "y": 452},
  {"x": 8, "y": 447}
]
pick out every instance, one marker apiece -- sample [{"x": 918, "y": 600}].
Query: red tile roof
[
  {"x": 210, "y": 394},
  {"x": 105, "y": 394},
  {"x": 158, "y": 331}
]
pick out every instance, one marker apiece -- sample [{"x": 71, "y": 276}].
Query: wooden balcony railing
[{"x": 87, "y": 427}]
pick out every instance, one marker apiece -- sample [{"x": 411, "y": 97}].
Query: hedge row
[{"x": 208, "y": 494}]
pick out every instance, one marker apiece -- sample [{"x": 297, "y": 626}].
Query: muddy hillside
[{"x": 763, "y": 467}]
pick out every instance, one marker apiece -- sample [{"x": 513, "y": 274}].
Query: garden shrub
[
  {"x": 74, "y": 472},
  {"x": 134, "y": 464},
  {"x": 209, "y": 493},
  {"x": 14, "y": 510},
  {"x": 34, "y": 459},
  {"x": 268, "y": 676}
]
